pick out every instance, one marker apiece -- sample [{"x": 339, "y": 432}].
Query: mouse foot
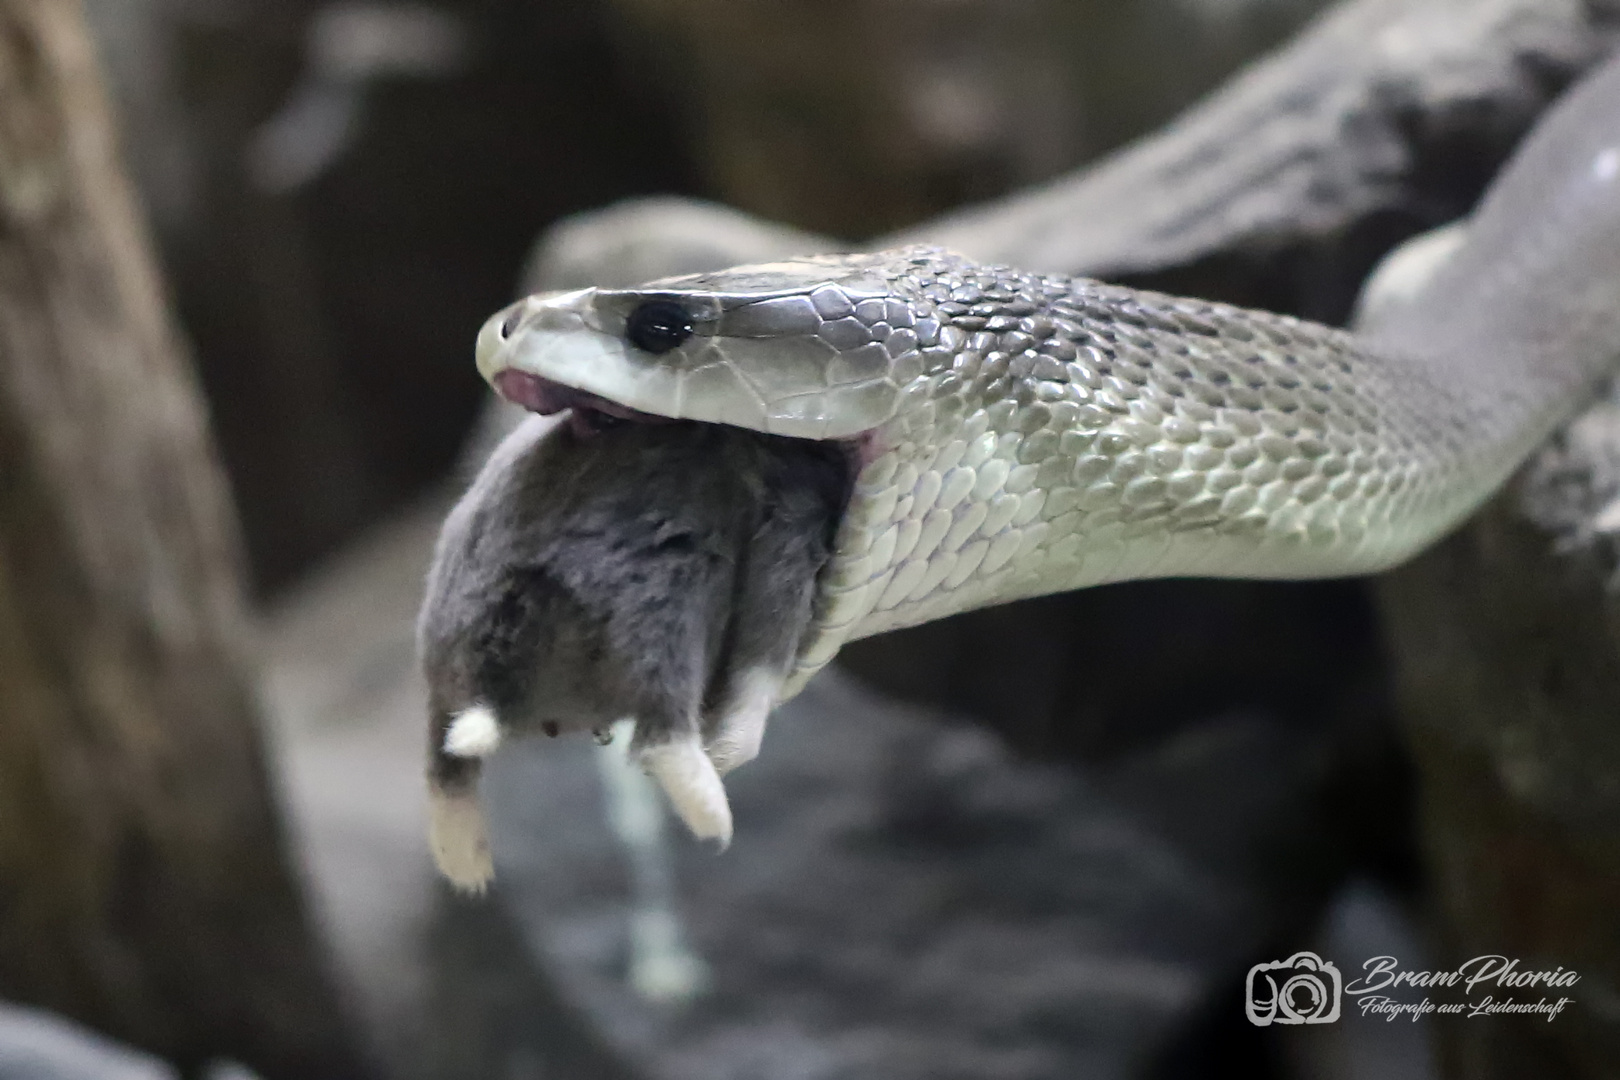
[{"x": 688, "y": 777}]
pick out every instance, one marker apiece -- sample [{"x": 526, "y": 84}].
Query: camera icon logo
[{"x": 1303, "y": 989}]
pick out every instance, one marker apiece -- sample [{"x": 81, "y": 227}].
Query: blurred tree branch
[
  {"x": 1380, "y": 107},
  {"x": 145, "y": 886}
]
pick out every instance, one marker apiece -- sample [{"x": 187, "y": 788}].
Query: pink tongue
[
  {"x": 546, "y": 397},
  {"x": 533, "y": 393}
]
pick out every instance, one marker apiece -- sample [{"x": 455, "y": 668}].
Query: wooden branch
[{"x": 144, "y": 882}]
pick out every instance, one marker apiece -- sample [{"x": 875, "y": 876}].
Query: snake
[{"x": 1011, "y": 434}]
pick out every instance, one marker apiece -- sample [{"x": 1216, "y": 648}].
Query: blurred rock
[
  {"x": 905, "y": 898},
  {"x": 1090, "y": 674},
  {"x": 37, "y": 1045},
  {"x": 1506, "y": 641},
  {"x": 1364, "y": 921}
]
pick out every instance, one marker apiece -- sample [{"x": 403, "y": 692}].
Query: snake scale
[{"x": 1011, "y": 434}]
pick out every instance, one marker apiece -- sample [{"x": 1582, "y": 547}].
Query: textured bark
[{"x": 144, "y": 882}]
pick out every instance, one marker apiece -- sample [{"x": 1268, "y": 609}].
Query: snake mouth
[
  {"x": 589, "y": 414},
  {"x": 592, "y": 414}
]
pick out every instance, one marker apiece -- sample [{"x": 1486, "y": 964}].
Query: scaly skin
[{"x": 1021, "y": 434}]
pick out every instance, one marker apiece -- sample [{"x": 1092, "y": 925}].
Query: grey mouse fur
[{"x": 661, "y": 572}]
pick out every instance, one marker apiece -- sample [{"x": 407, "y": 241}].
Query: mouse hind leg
[
  {"x": 668, "y": 680},
  {"x": 774, "y": 594},
  {"x": 458, "y": 833},
  {"x": 676, "y": 760}
]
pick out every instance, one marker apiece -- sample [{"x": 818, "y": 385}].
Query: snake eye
[{"x": 658, "y": 326}]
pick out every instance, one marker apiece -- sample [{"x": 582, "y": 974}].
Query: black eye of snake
[{"x": 658, "y": 326}]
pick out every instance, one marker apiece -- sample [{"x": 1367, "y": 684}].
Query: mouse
[{"x": 658, "y": 572}]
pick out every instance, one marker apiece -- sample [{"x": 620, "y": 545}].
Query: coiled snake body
[{"x": 1016, "y": 434}]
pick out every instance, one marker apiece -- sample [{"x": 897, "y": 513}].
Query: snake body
[{"x": 1013, "y": 434}]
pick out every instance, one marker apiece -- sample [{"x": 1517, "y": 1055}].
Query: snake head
[
  {"x": 825, "y": 348},
  {"x": 818, "y": 348}
]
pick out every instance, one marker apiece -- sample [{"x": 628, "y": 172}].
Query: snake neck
[{"x": 1068, "y": 433}]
